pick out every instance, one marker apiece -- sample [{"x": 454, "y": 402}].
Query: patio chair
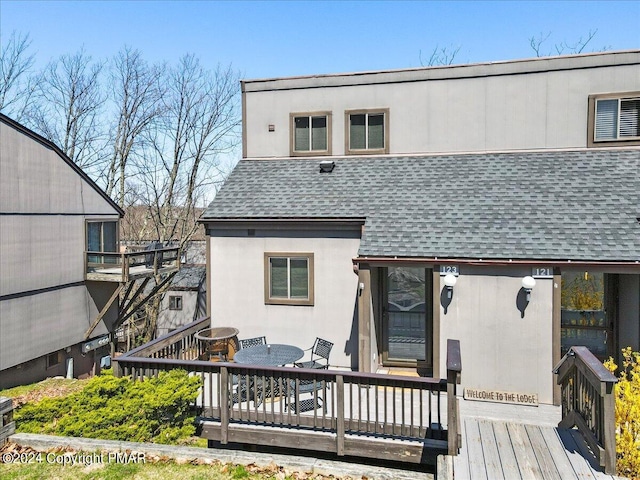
[
  {"x": 252, "y": 342},
  {"x": 300, "y": 405},
  {"x": 319, "y": 355}
]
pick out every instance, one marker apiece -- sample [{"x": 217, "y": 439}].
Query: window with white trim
[
  {"x": 289, "y": 278},
  {"x": 614, "y": 119},
  {"x": 311, "y": 133},
  {"x": 367, "y": 131}
]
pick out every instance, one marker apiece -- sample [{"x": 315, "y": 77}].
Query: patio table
[{"x": 269, "y": 355}]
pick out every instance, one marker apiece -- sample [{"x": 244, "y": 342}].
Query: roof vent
[{"x": 327, "y": 166}]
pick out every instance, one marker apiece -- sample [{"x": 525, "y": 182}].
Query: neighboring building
[
  {"x": 359, "y": 193},
  {"x": 138, "y": 229},
  {"x": 185, "y": 300},
  {"x": 51, "y": 213}
]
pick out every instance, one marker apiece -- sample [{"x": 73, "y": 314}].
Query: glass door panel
[
  {"x": 584, "y": 319},
  {"x": 406, "y": 315}
]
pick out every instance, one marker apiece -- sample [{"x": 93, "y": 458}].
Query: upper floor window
[
  {"x": 288, "y": 278},
  {"x": 614, "y": 119},
  {"x": 311, "y": 133},
  {"x": 102, "y": 237},
  {"x": 367, "y": 131}
]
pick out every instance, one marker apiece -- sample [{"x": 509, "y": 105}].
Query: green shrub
[
  {"x": 154, "y": 410},
  {"x": 627, "y": 392}
]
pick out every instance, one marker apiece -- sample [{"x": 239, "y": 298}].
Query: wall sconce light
[
  {"x": 450, "y": 282},
  {"x": 360, "y": 288},
  {"x": 528, "y": 283}
]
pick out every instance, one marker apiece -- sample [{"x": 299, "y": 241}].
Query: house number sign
[
  {"x": 449, "y": 269},
  {"x": 542, "y": 272}
]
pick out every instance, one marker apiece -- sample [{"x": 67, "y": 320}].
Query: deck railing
[
  {"x": 588, "y": 402},
  {"x": 344, "y": 412},
  {"x": 122, "y": 264}
]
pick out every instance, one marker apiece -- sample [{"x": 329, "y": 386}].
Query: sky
[{"x": 264, "y": 39}]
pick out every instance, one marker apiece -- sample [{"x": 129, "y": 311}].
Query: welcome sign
[{"x": 482, "y": 395}]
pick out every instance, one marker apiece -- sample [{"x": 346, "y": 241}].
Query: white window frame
[
  {"x": 288, "y": 300},
  {"x": 366, "y": 112},
  {"x": 310, "y": 116},
  {"x": 591, "y": 130}
]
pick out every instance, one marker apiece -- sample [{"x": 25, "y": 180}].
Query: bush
[
  {"x": 627, "y": 392},
  {"x": 154, "y": 410}
]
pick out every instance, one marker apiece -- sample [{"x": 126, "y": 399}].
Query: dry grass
[{"x": 49, "y": 388}]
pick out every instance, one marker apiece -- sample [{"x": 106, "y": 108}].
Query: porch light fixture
[
  {"x": 528, "y": 283},
  {"x": 450, "y": 282}
]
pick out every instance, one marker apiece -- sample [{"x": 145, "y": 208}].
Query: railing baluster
[
  {"x": 381, "y": 409},
  {"x": 588, "y": 402}
]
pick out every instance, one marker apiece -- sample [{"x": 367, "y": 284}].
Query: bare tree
[
  {"x": 136, "y": 92},
  {"x": 16, "y": 87},
  {"x": 199, "y": 123},
  {"x": 563, "y": 47},
  {"x": 68, "y": 108},
  {"x": 440, "y": 56}
]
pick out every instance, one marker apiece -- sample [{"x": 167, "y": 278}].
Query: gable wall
[{"x": 45, "y": 303}]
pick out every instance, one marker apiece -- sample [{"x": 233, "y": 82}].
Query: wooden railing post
[
  {"x": 454, "y": 370},
  {"x": 224, "y": 405},
  {"x": 609, "y": 428},
  {"x": 340, "y": 428}
]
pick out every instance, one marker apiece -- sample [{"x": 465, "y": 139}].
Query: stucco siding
[
  {"x": 501, "y": 349},
  {"x": 237, "y": 293},
  {"x": 482, "y": 113}
]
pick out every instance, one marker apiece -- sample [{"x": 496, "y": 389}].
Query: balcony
[{"x": 128, "y": 266}]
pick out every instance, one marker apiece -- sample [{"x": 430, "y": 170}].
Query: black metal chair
[
  {"x": 320, "y": 352},
  {"x": 243, "y": 390},
  {"x": 252, "y": 342},
  {"x": 301, "y": 387}
]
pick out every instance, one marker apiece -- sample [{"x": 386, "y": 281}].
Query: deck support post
[
  {"x": 454, "y": 369},
  {"x": 224, "y": 405},
  {"x": 340, "y": 428},
  {"x": 609, "y": 426}
]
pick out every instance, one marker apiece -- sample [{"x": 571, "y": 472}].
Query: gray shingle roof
[{"x": 553, "y": 205}]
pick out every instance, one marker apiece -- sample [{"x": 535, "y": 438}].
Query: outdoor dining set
[{"x": 222, "y": 344}]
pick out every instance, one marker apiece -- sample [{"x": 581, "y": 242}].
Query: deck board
[
  {"x": 505, "y": 448},
  {"x": 569, "y": 448},
  {"x": 490, "y": 449},
  {"x": 494, "y": 449},
  {"x": 477, "y": 468},
  {"x": 527, "y": 462},
  {"x": 541, "y": 451}
]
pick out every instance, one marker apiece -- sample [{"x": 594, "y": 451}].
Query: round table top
[
  {"x": 217, "y": 333},
  {"x": 273, "y": 354}
]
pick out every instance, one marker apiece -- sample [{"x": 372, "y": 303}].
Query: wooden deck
[{"x": 516, "y": 442}]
